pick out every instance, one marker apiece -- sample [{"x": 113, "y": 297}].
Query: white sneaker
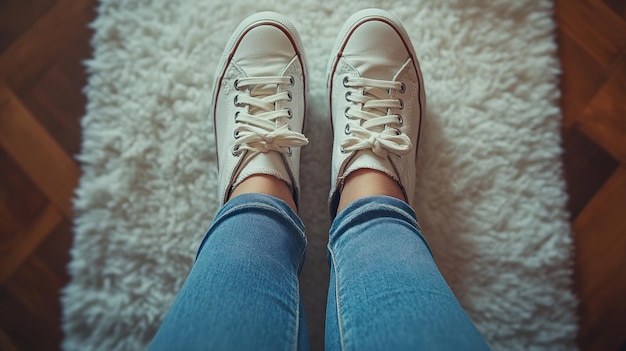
[
  {"x": 259, "y": 103},
  {"x": 377, "y": 101}
]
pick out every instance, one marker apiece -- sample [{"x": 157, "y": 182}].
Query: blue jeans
[{"x": 385, "y": 293}]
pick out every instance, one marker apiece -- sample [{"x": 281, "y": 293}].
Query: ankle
[
  {"x": 368, "y": 182},
  {"x": 265, "y": 184}
]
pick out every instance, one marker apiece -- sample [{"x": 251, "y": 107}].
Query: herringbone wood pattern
[
  {"x": 42, "y": 44},
  {"x": 592, "y": 41}
]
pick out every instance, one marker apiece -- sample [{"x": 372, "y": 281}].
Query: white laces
[
  {"x": 379, "y": 130},
  {"x": 264, "y": 128}
]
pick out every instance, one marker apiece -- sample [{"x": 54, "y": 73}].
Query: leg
[
  {"x": 367, "y": 182},
  {"x": 386, "y": 291},
  {"x": 266, "y": 184},
  {"x": 243, "y": 291}
]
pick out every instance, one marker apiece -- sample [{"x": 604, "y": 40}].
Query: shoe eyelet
[
  {"x": 289, "y": 113},
  {"x": 341, "y": 148},
  {"x": 400, "y": 120},
  {"x": 403, "y": 88},
  {"x": 289, "y": 96},
  {"x": 345, "y": 113},
  {"x": 401, "y": 104},
  {"x": 289, "y": 152},
  {"x": 236, "y": 134},
  {"x": 348, "y": 93},
  {"x": 235, "y": 151},
  {"x": 347, "y": 129},
  {"x": 345, "y": 81},
  {"x": 236, "y": 101},
  {"x": 236, "y": 115},
  {"x": 289, "y": 127},
  {"x": 398, "y": 132},
  {"x": 236, "y": 84},
  {"x": 292, "y": 81}
]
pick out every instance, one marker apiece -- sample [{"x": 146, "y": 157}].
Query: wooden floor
[{"x": 42, "y": 44}]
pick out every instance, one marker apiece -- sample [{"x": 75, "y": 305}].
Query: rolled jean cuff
[
  {"x": 374, "y": 207},
  {"x": 271, "y": 205}
]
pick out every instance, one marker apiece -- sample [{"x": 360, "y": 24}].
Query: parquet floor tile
[
  {"x": 55, "y": 110},
  {"x": 582, "y": 77},
  {"x": 604, "y": 118},
  {"x": 51, "y": 169},
  {"x": 42, "y": 45},
  {"x": 20, "y": 201},
  {"x": 12, "y": 26},
  {"x": 594, "y": 26},
  {"x": 587, "y": 167},
  {"x": 36, "y": 50},
  {"x": 618, "y": 7},
  {"x": 601, "y": 244}
]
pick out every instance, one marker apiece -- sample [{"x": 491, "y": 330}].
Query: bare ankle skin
[
  {"x": 368, "y": 182},
  {"x": 265, "y": 184}
]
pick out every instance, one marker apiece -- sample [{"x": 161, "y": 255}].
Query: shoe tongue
[
  {"x": 381, "y": 68},
  {"x": 368, "y": 159},
  {"x": 270, "y": 163},
  {"x": 272, "y": 66}
]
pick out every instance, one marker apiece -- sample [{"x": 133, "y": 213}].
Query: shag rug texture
[{"x": 490, "y": 190}]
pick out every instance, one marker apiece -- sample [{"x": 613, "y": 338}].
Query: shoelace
[
  {"x": 379, "y": 130},
  {"x": 263, "y": 128}
]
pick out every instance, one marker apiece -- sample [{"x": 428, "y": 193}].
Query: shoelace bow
[
  {"x": 263, "y": 128},
  {"x": 379, "y": 130}
]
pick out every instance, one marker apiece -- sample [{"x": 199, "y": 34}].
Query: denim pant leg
[
  {"x": 386, "y": 292},
  {"x": 242, "y": 292}
]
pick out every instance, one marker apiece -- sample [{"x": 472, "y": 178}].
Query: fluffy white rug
[{"x": 491, "y": 194}]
